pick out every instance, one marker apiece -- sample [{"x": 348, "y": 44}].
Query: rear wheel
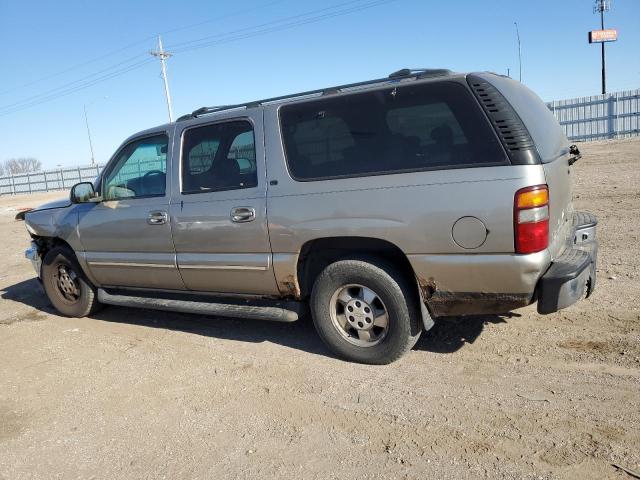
[
  {"x": 68, "y": 289},
  {"x": 366, "y": 311}
]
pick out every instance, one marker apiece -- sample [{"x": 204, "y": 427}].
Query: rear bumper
[{"x": 573, "y": 274}]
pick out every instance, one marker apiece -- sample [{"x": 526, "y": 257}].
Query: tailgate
[
  {"x": 558, "y": 176},
  {"x": 552, "y": 147}
]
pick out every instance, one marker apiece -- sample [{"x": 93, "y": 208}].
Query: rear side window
[
  {"x": 219, "y": 157},
  {"x": 409, "y": 128},
  {"x": 548, "y": 136}
]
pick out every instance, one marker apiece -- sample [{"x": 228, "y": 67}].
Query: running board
[{"x": 272, "y": 313}]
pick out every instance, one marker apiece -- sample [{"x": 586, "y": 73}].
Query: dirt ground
[{"x": 141, "y": 394}]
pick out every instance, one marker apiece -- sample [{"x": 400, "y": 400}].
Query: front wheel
[
  {"x": 68, "y": 289},
  {"x": 366, "y": 311}
]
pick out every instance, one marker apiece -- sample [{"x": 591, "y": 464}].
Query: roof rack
[
  {"x": 420, "y": 72},
  {"x": 395, "y": 76}
]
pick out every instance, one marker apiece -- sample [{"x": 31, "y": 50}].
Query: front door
[
  {"x": 127, "y": 236},
  {"x": 218, "y": 208}
]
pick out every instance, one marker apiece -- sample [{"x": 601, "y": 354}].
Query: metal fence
[
  {"x": 49, "y": 180},
  {"x": 600, "y": 117}
]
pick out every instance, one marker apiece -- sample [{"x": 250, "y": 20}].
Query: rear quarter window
[
  {"x": 405, "y": 128},
  {"x": 548, "y": 136}
]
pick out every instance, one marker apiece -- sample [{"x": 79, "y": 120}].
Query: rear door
[{"x": 218, "y": 210}]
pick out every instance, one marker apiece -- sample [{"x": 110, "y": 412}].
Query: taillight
[{"x": 531, "y": 219}]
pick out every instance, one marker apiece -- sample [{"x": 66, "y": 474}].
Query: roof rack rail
[
  {"x": 395, "y": 76},
  {"x": 210, "y": 109},
  {"x": 420, "y": 72}
]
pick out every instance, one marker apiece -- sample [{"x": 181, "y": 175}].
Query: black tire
[
  {"x": 400, "y": 300},
  {"x": 85, "y": 302}
]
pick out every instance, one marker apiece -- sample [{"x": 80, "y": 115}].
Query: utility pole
[
  {"x": 519, "y": 50},
  {"x": 600, "y": 7},
  {"x": 162, "y": 55},
  {"x": 86, "y": 121}
]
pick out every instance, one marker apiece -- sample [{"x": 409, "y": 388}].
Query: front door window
[{"x": 139, "y": 171}]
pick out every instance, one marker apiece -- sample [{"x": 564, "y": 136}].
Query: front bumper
[
  {"x": 31, "y": 253},
  {"x": 573, "y": 274}
]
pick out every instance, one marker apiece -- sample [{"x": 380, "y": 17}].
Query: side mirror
[{"x": 83, "y": 193}]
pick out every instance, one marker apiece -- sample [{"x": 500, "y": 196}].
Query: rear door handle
[
  {"x": 243, "y": 214},
  {"x": 157, "y": 218}
]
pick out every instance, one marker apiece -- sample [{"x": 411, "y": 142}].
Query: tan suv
[{"x": 380, "y": 205}]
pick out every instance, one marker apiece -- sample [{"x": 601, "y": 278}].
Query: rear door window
[
  {"x": 408, "y": 128},
  {"x": 219, "y": 157}
]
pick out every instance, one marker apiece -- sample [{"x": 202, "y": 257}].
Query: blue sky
[{"x": 40, "y": 39}]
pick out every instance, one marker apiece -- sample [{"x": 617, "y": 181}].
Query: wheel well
[
  {"x": 316, "y": 254},
  {"x": 47, "y": 243}
]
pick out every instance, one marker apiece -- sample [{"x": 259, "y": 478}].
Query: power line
[
  {"x": 67, "y": 85},
  {"x": 77, "y": 88},
  {"x": 75, "y": 67},
  {"x": 89, "y": 81},
  {"x": 139, "y": 42},
  {"x": 229, "y": 15},
  {"x": 272, "y": 22},
  {"x": 233, "y": 36}
]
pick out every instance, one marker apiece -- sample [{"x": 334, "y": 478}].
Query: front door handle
[
  {"x": 157, "y": 218},
  {"x": 243, "y": 214}
]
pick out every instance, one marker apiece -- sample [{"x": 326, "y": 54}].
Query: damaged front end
[{"x": 33, "y": 255}]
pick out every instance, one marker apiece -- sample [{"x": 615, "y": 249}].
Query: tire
[
  {"x": 72, "y": 295},
  {"x": 347, "y": 284}
]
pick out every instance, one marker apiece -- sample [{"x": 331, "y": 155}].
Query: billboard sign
[{"x": 599, "y": 36}]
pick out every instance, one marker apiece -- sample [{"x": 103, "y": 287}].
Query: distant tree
[
  {"x": 16, "y": 166},
  {"x": 2, "y": 169}
]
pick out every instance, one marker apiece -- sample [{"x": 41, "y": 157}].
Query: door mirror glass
[{"x": 82, "y": 192}]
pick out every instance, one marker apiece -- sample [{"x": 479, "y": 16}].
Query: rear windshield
[{"x": 416, "y": 127}]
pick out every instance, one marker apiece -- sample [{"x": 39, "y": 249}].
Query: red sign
[{"x": 599, "y": 36}]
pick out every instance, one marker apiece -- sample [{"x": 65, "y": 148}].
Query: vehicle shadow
[
  {"x": 447, "y": 336},
  {"x": 450, "y": 334}
]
